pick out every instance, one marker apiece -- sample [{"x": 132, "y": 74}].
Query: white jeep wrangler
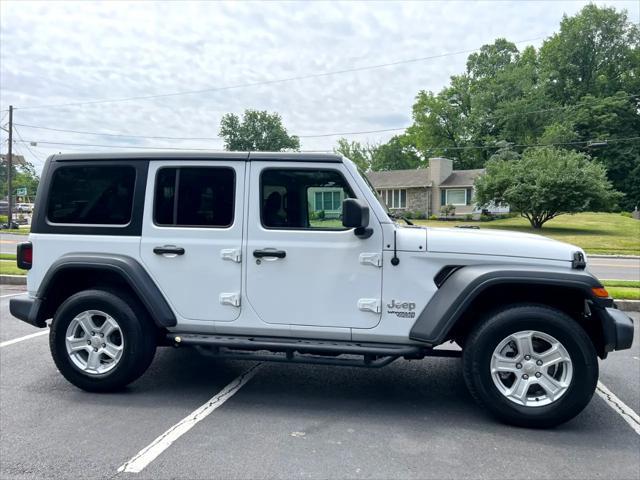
[{"x": 291, "y": 257}]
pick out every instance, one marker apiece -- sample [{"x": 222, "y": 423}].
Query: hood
[{"x": 499, "y": 243}]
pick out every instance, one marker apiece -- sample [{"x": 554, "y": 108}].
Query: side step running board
[{"x": 324, "y": 352}]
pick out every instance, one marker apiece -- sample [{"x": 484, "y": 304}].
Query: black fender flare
[
  {"x": 129, "y": 269},
  {"x": 453, "y": 297}
]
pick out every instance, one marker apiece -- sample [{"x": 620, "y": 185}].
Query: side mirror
[{"x": 355, "y": 214}]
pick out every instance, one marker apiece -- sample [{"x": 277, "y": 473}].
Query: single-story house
[{"x": 427, "y": 189}]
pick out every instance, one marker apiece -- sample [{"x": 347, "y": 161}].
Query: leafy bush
[
  {"x": 468, "y": 217},
  {"x": 626, "y": 214},
  {"x": 420, "y": 215},
  {"x": 448, "y": 210},
  {"x": 433, "y": 217}
]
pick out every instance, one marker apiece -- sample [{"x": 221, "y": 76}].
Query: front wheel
[
  {"x": 531, "y": 366},
  {"x": 101, "y": 341}
]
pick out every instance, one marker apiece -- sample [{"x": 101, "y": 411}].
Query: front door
[
  {"x": 303, "y": 266},
  {"x": 192, "y": 236}
]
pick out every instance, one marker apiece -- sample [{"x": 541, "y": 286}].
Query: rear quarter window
[{"x": 92, "y": 195}]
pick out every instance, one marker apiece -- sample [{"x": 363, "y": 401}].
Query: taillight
[{"x": 25, "y": 255}]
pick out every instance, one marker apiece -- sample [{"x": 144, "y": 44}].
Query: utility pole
[{"x": 10, "y": 167}]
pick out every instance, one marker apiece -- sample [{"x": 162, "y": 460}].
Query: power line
[
  {"x": 80, "y": 132},
  {"x": 26, "y": 144},
  {"x": 536, "y": 145},
  {"x": 320, "y": 135},
  {"x": 469, "y": 147},
  {"x": 266, "y": 82}
]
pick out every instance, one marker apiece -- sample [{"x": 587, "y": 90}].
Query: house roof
[
  {"x": 462, "y": 178},
  {"x": 400, "y": 178}
]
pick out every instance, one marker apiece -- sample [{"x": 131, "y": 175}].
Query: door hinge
[
  {"x": 232, "y": 254},
  {"x": 374, "y": 259},
  {"x": 369, "y": 305},
  {"x": 232, "y": 299}
]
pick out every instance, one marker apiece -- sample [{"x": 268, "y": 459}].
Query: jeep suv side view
[{"x": 291, "y": 257}]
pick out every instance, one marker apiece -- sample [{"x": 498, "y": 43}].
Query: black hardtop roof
[{"x": 212, "y": 155}]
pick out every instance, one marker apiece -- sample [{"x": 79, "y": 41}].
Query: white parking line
[
  {"x": 148, "y": 454},
  {"x": 13, "y": 295},
  {"x": 619, "y": 406},
  {"x": 26, "y": 337}
]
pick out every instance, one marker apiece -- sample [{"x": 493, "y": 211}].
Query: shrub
[
  {"x": 468, "y": 217},
  {"x": 433, "y": 217},
  {"x": 420, "y": 215},
  {"x": 626, "y": 214},
  {"x": 448, "y": 210}
]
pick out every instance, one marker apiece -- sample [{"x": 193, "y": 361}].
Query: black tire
[
  {"x": 486, "y": 336},
  {"x": 137, "y": 331}
]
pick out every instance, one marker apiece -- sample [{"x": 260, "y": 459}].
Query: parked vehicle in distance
[
  {"x": 4, "y": 207},
  {"x": 219, "y": 250},
  {"x": 24, "y": 207}
]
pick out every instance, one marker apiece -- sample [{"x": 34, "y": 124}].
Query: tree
[
  {"x": 355, "y": 151},
  {"x": 546, "y": 182},
  {"x": 595, "y": 52},
  {"x": 577, "y": 88},
  {"x": 257, "y": 131},
  {"x": 396, "y": 154},
  {"x": 23, "y": 173}
]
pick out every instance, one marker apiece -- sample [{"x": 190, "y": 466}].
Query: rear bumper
[
  {"x": 617, "y": 328},
  {"x": 27, "y": 310}
]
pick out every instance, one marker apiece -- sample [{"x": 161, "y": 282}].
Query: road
[
  {"x": 408, "y": 420},
  {"x": 603, "y": 268},
  {"x": 615, "y": 268}
]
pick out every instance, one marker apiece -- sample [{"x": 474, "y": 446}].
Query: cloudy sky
[{"x": 52, "y": 54}]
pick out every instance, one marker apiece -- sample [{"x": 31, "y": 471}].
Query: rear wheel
[
  {"x": 530, "y": 365},
  {"x": 101, "y": 341}
]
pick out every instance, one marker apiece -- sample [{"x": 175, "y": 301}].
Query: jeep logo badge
[{"x": 401, "y": 309}]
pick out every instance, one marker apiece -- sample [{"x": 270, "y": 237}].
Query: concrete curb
[
  {"x": 628, "y": 257},
  {"x": 628, "y": 305},
  {"x": 13, "y": 279}
]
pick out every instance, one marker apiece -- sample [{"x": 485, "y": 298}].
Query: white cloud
[{"x": 65, "y": 52}]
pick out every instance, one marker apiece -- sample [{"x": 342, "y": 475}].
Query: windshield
[{"x": 374, "y": 191}]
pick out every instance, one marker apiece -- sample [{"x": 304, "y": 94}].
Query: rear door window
[
  {"x": 194, "y": 197},
  {"x": 92, "y": 195}
]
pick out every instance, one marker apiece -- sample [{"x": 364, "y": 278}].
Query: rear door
[{"x": 192, "y": 235}]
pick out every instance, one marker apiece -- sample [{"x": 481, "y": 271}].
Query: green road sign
[{"x": 21, "y": 192}]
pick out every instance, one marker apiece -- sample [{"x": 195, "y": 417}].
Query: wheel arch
[
  {"x": 72, "y": 273},
  {"x": 471, "y": 292}
]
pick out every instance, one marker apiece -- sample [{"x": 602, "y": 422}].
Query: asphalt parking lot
[{"x": 407, "y": 420}]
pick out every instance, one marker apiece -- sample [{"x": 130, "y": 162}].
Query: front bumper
[
  {"x": 617, "y": 329},
  {"x": 28, "y": 310}
]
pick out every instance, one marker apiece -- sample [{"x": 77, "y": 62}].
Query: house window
[
  {"x": 456, "y": 196},
  {"x": 394, "y": 198},
  {"x": 328, "y": 200}
]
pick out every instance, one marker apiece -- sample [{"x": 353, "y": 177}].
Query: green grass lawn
[
  {"x": 604, "y": 233},
  {"x": 7, "y": 256},
  {"x": 623, "y": 289},
  {"x": 9, "y": 267}
]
